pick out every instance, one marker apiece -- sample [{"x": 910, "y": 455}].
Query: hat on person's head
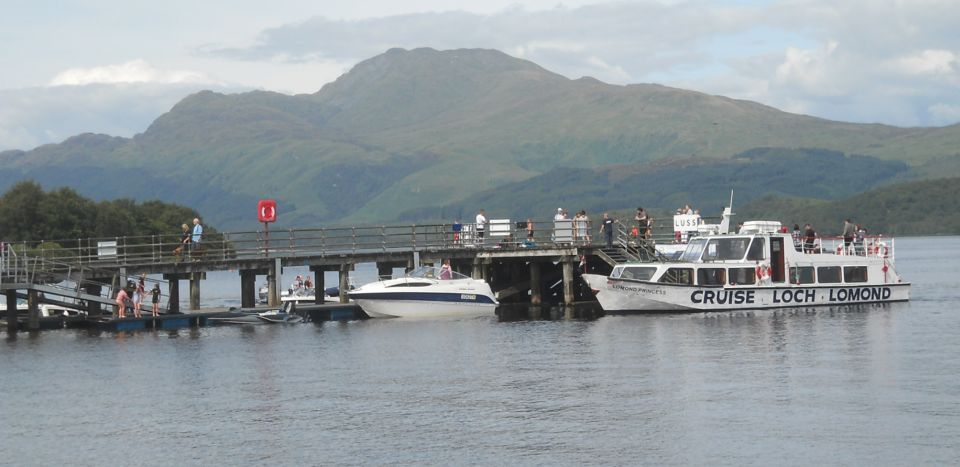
[{"x": 559, "y": 209}]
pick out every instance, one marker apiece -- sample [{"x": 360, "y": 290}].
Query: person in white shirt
[
  {"x": 559, "y": 215},
  {"x": 481, "y": 226}
]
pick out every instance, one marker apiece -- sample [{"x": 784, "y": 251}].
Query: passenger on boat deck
[
  {"x": 445, "y": 272},
  {"x": 641, "y": 218},
  {"x": 809, "y": 237},
  {"x": 861, "y": 234},
  {"x": 687, "y": 209},
  {"x": 530, "y": 228},
  {"x": 797, "y": 236},
  {"x": 848, "y": 232},
  {"x": 307, "y": 283}
]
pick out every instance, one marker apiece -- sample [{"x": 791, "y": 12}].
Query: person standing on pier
[
  {"x": 122, "y": 303},
  {"x": 195, "y": 238},
  {"x": 606, "y": 228},
  {"x": 481, "y": 226},
  {"x": 457, "y": 228},
  {"x": 138, "y": 295},
  {"x": 184, "y": 243},
  {"x": 155, "y": 292}
]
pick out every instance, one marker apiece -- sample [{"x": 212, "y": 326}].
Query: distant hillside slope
[
  {"x": 928, "y": 207},
  {"x": 666, "y": 185},
  {"x": 409, "y": 129}
]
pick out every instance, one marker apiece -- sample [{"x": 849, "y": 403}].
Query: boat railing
[{"x": 874, "y": 245}]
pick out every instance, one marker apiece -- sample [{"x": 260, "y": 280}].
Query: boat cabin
[{"x": 762, "y": 255}]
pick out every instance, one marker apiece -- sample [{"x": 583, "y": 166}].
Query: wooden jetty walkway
[{"x": 86, "y": 274}]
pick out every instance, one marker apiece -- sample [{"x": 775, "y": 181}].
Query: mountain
[{"x": 414, "y": 129}]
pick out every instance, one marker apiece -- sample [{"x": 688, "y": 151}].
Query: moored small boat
[{"x": 424, "y": 293}]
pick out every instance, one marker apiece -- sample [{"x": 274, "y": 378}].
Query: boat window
[
  {"x": 828, "y": 274},
  {"x": 410, "y": 284},
  {"x": 741, "y": 276},
  {"x": 615, "y": 274},
  {"x": 854, "y": 273},
  {"x": 638, "y": 273},
  {"x": 682, "y": 276},
  {"x": 694, "y": 248},
  {"x": 725, "y": 249},
  {"x": 802, "y": 275},
  {"x": 430, "y": 272},
  {"x": 756, "y": 252},
  {"x": 711, "y": 276}
]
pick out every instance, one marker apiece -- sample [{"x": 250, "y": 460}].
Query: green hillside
[
  {"x": 928, "y": 207},
  {"x": 415, "y": 129},
  {"x": 665, "y": 185}
]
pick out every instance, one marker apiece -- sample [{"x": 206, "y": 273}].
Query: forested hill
[
  {"x": 928, "y": 207},
  {"x": 409, "y": 129},
  {"x": 31, "y": 214}
]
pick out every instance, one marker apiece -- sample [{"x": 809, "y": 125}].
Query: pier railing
[{"x": 111, "y": 252}]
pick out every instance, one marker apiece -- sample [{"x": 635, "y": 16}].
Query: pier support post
[
  {"x": 33, "y": 309},
  {"x": 568, "y": 282},
  {"x": 11, "y": 317},
  {"x": 477, "y": 272},
  {"x": 345, "y": 282},
  {"x": 384, "y": 270},
  {"x": 248, "y": 288},
  {"x": 273, "y": 283},
  {"x": 195, "y": 279},
  {"x": 318, "y": 285},
  {"x": 93, "y": 308},
  {"x": 174, "y": 283},
  {"x": 535, "y": 286}
]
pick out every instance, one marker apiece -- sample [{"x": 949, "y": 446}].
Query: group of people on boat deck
[
  {"x": 853, "y": 238},
  {"x": 300, "y": 284}
]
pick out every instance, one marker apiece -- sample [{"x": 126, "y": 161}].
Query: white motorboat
[
  {"x": 426, "y": 292},
  {"x": 760, "y": 267}
]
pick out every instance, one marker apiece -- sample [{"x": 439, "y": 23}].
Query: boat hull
[
  {"x": 623, "y": 296},
  {"x": 394, "y": 308}
]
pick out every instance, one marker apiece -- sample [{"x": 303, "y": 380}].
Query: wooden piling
[
  {"x": 535, "y": 285},
  {"x": 174, "y": 284},
  {"x": 318, "y": 284},
  {"x": 248, "y": 288},
  {"x": 345, "y": 282},
  {"x": 568, "y": 282},
  {"x": 11, "y": 296},
  {"x": 33, "y": 310},
  {"x": 195, "y": 278}
]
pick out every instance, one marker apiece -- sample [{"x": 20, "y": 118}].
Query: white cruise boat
[
  {"x": 425, "y": 293},
  {"x": 760, "y": 267}
]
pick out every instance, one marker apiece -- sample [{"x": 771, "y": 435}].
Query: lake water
[{"x": 869, "y": 385}]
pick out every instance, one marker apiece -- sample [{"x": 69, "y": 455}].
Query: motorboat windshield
[
  {"x": 431, "y": 272},
  {"x": 694, "y": 249}
]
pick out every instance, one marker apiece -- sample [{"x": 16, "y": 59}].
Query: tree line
[{"x": 30, "y": 214}]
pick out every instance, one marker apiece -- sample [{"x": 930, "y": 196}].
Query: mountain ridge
[{"x": 408, "y": 129}]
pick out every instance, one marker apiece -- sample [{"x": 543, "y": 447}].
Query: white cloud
[
  {"x": 927, "y": 62},
  {"x": 134, "y": 71},
  {"x": 34, "y": 116}
]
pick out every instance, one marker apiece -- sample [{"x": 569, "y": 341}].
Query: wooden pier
[{"x": 87, "y": 273}]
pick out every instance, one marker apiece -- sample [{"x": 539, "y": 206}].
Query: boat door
[{"x": 776, "y": 259}]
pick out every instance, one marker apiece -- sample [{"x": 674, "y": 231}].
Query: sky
[{"x": 113, "y": 66}]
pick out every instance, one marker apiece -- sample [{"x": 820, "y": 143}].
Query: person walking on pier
[
  {"x": 606, "y": 228},
  {"x": 184, "y": 243},
  {"x": 155, "y": 293},
  {"x": 481, "y": 226},
  {"x": 195, "y": 239}
]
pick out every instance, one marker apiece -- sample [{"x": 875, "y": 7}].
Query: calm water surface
[{"x": 871, "y": 385}]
